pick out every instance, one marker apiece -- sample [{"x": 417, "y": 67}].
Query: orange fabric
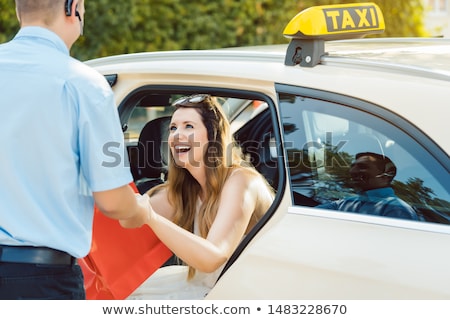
[{"x": 120, "y": 259}]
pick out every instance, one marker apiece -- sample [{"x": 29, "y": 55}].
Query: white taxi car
[{"x": 301, "y": 112}]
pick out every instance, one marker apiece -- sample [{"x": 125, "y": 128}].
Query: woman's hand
[{"x": 143, "y": 214}]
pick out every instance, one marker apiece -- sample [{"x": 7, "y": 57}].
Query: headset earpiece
[
  {"x": 68, "y": 7},
  {"x": 390, "y": 170}
]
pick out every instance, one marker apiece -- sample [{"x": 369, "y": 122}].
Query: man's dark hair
[{"x": 382, "y": 162}]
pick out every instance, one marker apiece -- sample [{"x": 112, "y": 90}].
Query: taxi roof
[
  {"x": 428, "y": 56},
  {"x": 424, "y": 53}
]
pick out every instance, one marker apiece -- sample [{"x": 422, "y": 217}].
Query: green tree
[
  {"x": 115, "y": 27},
  {"x": 414, "y": 191},
  {"x": 8, "y": 20}
]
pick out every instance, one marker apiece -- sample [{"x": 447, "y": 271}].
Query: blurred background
[{"x": 116, "y": 27}]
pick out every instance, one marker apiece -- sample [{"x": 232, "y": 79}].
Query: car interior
[{"x": 150, "y": 166}]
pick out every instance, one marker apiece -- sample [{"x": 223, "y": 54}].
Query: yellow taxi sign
[{"x": 332, "y": 22}]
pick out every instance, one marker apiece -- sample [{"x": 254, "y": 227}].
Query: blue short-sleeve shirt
[
  {"x": 61, "y": 141},
  {"x": 378, "y": 202}
]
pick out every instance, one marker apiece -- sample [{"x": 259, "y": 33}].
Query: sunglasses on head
[{"x": 194, "y": 99}]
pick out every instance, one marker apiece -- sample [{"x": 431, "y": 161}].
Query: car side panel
[{"x": 318, "y": 254}]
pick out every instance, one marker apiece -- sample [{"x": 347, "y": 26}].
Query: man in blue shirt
[
  {"x": 372, "y": 175},
  {"x": 63, "y": 151}
]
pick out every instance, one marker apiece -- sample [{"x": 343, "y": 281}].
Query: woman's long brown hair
[{"x": 221, "y": 157}]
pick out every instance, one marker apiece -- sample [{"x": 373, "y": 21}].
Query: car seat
[
  {"x": 152, "y": 154},
  {"x": 362, "y": 143},
  {"x": 258, "y": 144}
]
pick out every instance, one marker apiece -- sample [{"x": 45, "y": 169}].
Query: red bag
[{"x": 120, "y": 259}]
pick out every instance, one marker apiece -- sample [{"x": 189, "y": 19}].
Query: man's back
[
  {"x": 49, "y": 104},
  {"x": 63, "y": 149}
]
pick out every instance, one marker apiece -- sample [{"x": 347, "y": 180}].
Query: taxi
[{"x": 301, "y": 113}]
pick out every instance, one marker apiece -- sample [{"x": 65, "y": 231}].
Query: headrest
[
  {"x": 359, "y": 143},
  {"x": 153, "y": 148}
]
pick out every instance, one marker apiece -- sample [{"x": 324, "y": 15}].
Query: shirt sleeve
[
  {"x": 396, "y": 208},
  {"x": 329, "y": 205},
  {"x": 103, "y": 156}
]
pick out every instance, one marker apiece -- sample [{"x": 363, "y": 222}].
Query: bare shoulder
[
  {"x": 242, "y": 175},
  {"x": 160, "y": 202},
  {"x": 252, "y": 188},
  {"x": 245, "y": 178}
]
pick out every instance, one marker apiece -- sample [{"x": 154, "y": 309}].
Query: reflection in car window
[{"x": 322, "y": 139}]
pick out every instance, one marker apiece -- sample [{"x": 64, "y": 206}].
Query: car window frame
[{"x": 414, "y": 133}]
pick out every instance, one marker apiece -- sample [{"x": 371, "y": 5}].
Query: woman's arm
[{"x": 237, "y": 203}]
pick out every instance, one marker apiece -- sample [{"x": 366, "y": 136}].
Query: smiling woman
[
  {"x": 210, "y": 201},
  {"x": 187, "y": 138}
]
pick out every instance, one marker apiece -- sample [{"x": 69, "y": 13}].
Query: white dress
[{"x": 170, "y": 283}]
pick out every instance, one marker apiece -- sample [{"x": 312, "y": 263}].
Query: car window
[
  {"x": 142, "y": 114},
  {"x": 238, "y": 111},
  {"x": 322, "y": 140}
]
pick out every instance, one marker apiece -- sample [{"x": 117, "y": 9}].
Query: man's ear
[{"x": 17, "y": 15}]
